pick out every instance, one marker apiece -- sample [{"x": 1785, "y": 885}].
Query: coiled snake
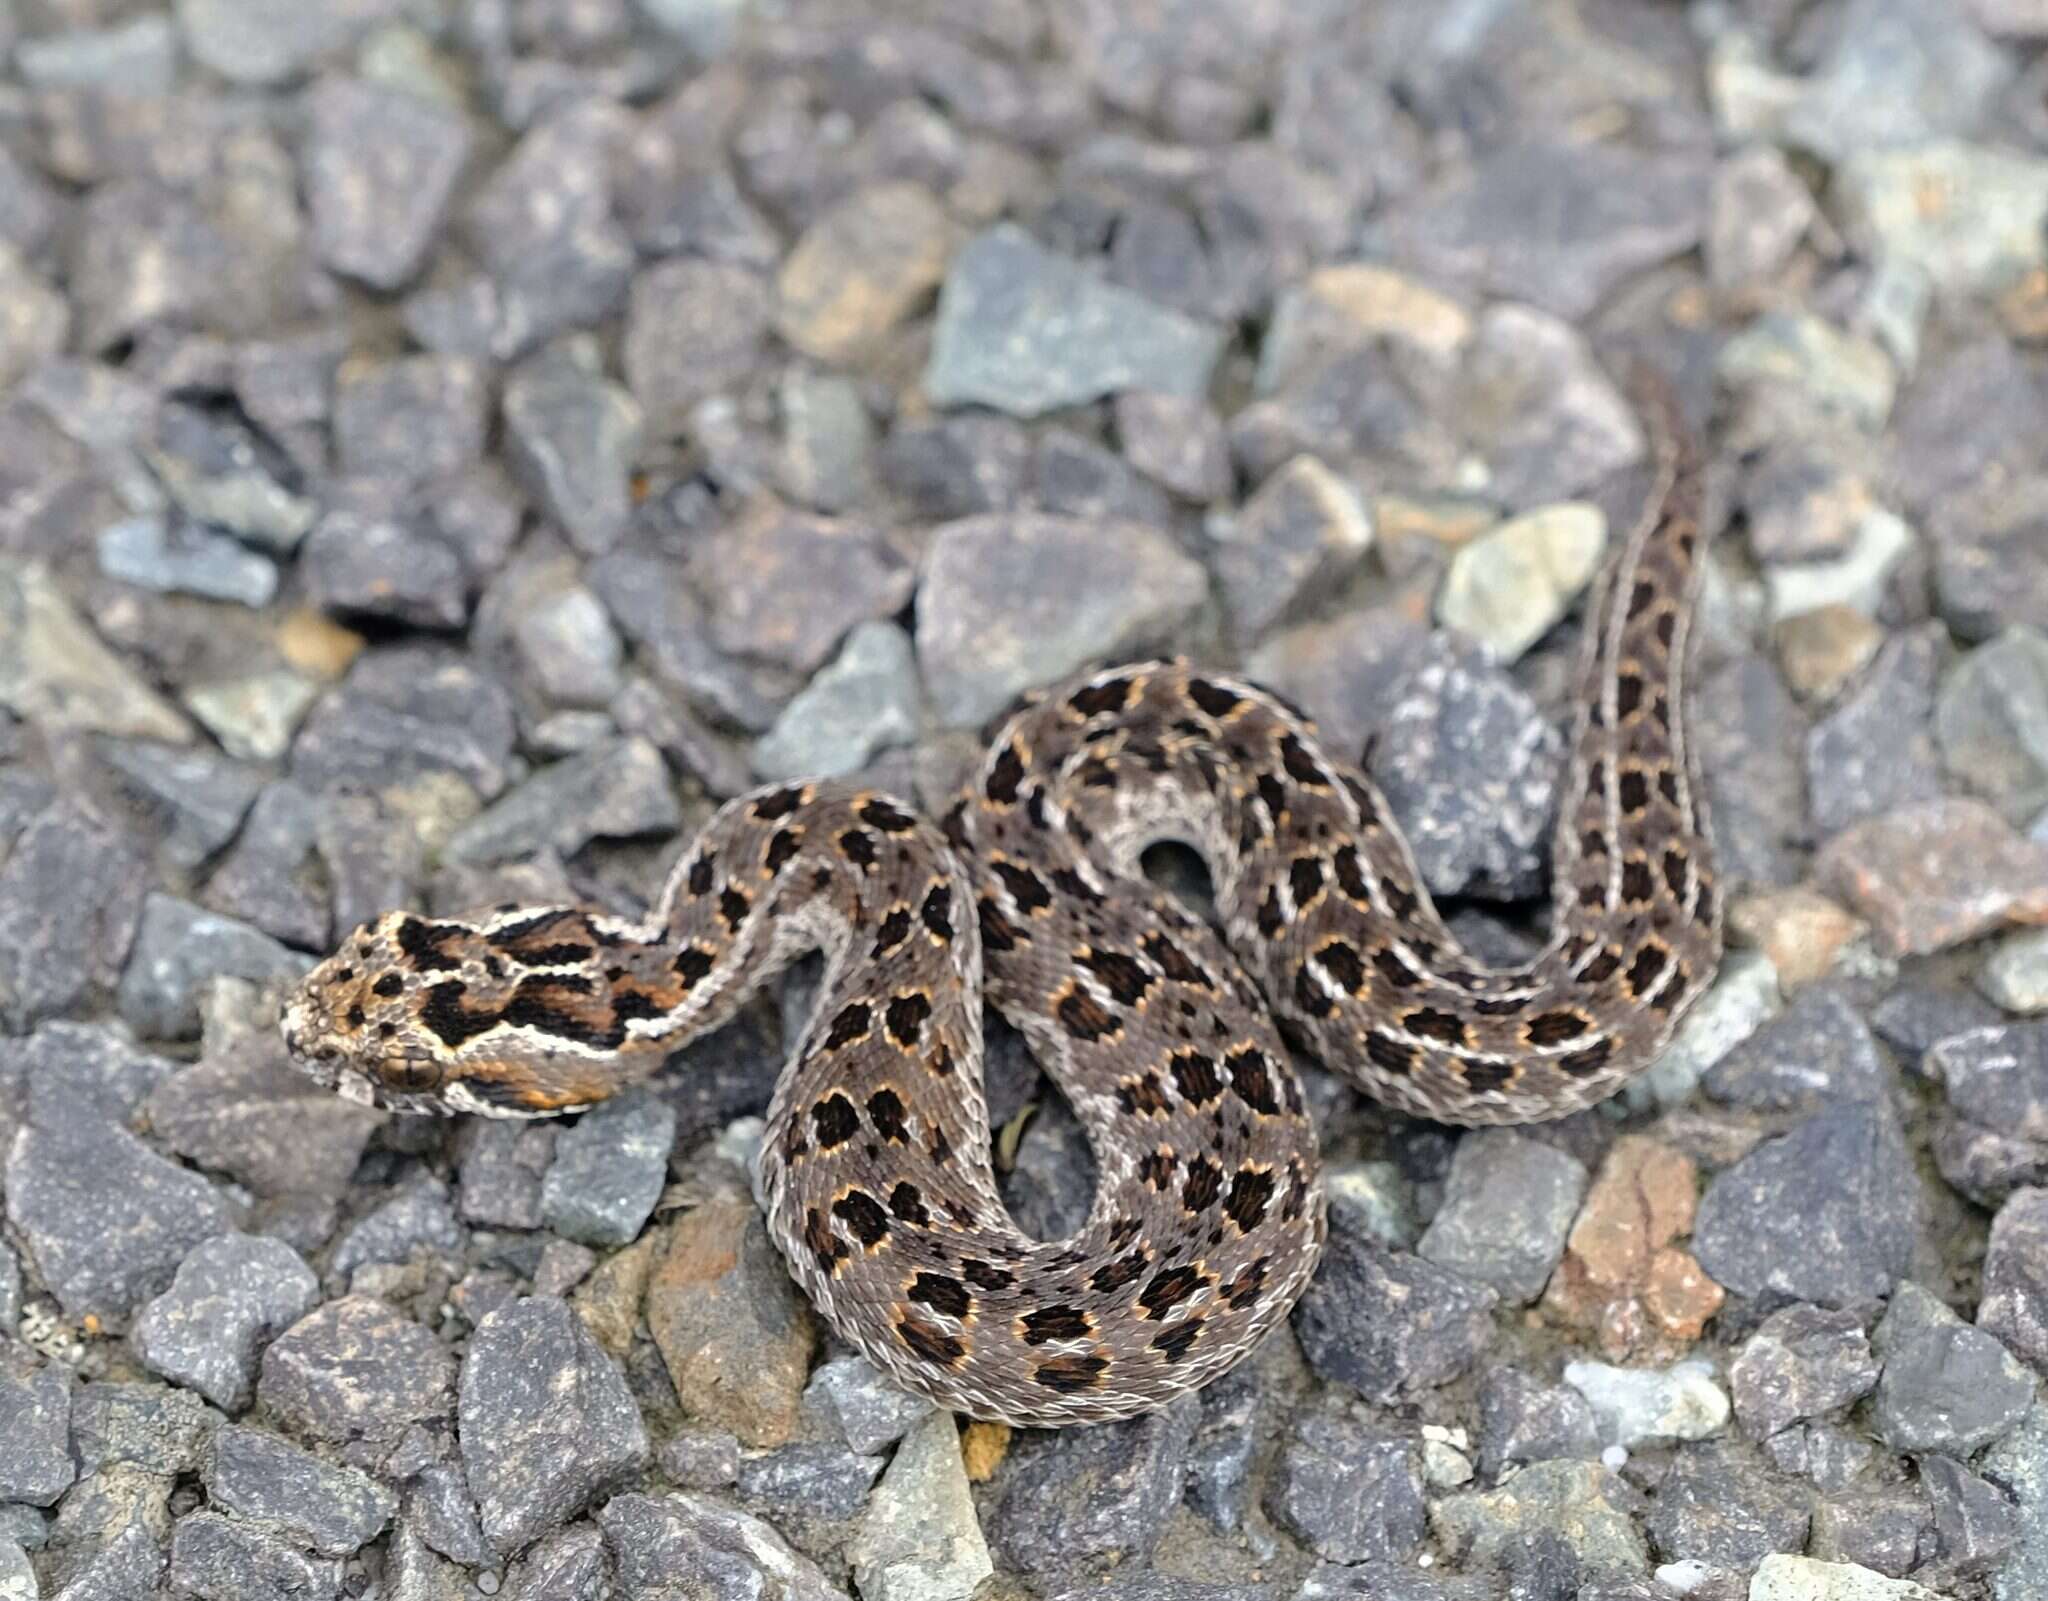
[{"x": 1208, "y": 1216}]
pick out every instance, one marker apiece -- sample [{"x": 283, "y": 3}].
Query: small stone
[
  {"x": 862, "y": 1406},
  {"x": 662, "y": 614},
  {"x": 694, "y": 1545},
  {"x": 1014, "y": 602},
  {"x": 1822, "y": 650},
  {"x": 1992, "y": 722},
  {"x": 1857, "y": 579},
  {"x": 735, "y": 1335},
  {"x": 1803, "y": 1362},
  {"x": 1760, "y": 212},
  {"x": 1794, "y": 1578},
  {"x": 71, "y": 892},
  {"x": 920, "y": 1540},
  {"x": 1946, "y": 1386},
  {"x": 1801, "y": 933},
  {"x": 1881, "y": 1528},
  {"x": 1840, "y": 374},
  {"x": 384, "y": 570},
  {"x": 356, "y": 1369},
  {"x": 1547, "y": 419},
  {"x": 1351, "y": 306},
  {"x": 1719, "y": 1506},
  {"x": 1818, "y": 1052},
  {"x": 1388, "y": 1324},
  {"x": 35, "y": 1413},
  {"x": 411, "y": 419},
  {"x": 861, "y": 269},
  {"x": 1972, "y": 422},
  {"x": 1080, "y": 1501},
  {"x": 1175, "y": 441},
  {"x": 230, "y": 1298},
  {"x": 2015, "y": 1300},
  {"x": 220, "y": 1559},
  {"x": 2015, "y": 974},
  {"x": 570, "y": 1562},
  {"x": 617, "y": 791},
  {"x": 404, "y": 713},
  {"x": 1915, "y": 1018},
  {"x": 1876, "y": 751},
  {"x": 1558, "y": 226},
  {"x": 866, "y": 700},
  {"x": 1028, "y": 332},
  {"x": 1347, "y": 1494},
  {"x": 547, "y": 1423},
  {"x": 1301, "y": 534},
  {"x": 55, "y": 672},
  {"x": 948, "y": 467},
  {"x": 1974, "y": 1521},
  {"x": 1934, "y": 874},
  {"x": 609, "y": 1170},
  {"x": 17, "y": 1578},
  {"x": 693, "y": 330},
  {"x": 1075, "y": 477},
  {"x": 178, "y": 947},
  {"x": 501, "y": 1166},
  {"x": 192, "y": 799},
  {"x": 381, "y": 166},
  {"x": 1507, "y": 1205},
  {"x": 417, "y": 1217},
  {"x": 787, "y": 588},
  {"x": 335, "y": 1510},
  {"x": 572, "y": 435},
  {"x": 816, "y": 1478},
  {"x": 701, "y": 1461},
  {"x": 1523, "y": 1421},
  {"x": 828, "y": 440},
  {"x": 1636, "y": 1406},
  {"x": 148, "y": 1426},
  {"x": 1589, "y": 1508},
  {"x": 1510, "y": 586},
  {"x": 1987, "y": 230}
]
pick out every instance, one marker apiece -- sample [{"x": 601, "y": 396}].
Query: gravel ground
[{"x": 448, "y": 445}]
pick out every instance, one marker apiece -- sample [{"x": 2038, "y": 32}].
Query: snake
[{"x": 1169, "y": 1034}]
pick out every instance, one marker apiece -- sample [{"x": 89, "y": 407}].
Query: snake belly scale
[{"x": 1163, "y": 1033}]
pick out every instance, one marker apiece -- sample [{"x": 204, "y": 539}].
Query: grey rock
[
  {"x": 1989, "y": 571},
  {"x": 1507, "y": 1207},
  {"x": 1075, "y": 477},
  {"x": 105, "y": 1218},
  {"x": 2014, "y": 1306},
  {"x": 572, "y": 436},
  {"x": 263, "y": 877},
  {"x": 1549, "y": 422},
  {"x": 10, "y": 1291},
  {"x": 1082, "y": 1500},
  {"x": 71, "y": 893},
  {"x": 227, "y": 477},
  {"x": 82, "y": 1069},
  {"x": 401, "y": 713},
  {"x": 566, "y": 643},
  {"x": 1824, "y": 1213},
  {"x": 193, "y": 800},
  {"x": 571, "y": 1564},
  {"x": 1946, "y": 1386},
  {"x": 1220, "y": 1456},
  {"x": 1637, "y": 1406},
  {"x": 1817, "y": 1052},
  {"x": 828, "y": 440},
  {"x": 1803, "y": 1362},
  {"x": 501, "y": 1167},
  {"x": 1347, "y": 1493},
  {"x": 1008, "y": 603},
  {"x": 950, "y": 467},
  {"x": 261, "y": 42},
  {"x": 1556, "y": 226},
  {"x": 1997, "y": 1079},
  {"x": 253, "y": 715},
  {"x": 146, "y": 256},
  {"x": 356, "y": 1369},
  {"x": 666, "y": 620},
  {"x": 1989, "y": 230},
  {"x": 180, "y": 558},
  {"x": 1895, "y": 73},
  {"x": 701, "y": 1461},
  {"x": 1469, "y": 766},
  {"x": 35, "y": 1420},
  {"x": 1719, "y": 1506},
  {"x": 1974, "y": 1520},
  {"x": 1175, "y": 441},
  {"x": 386, "y": 570},
  {"x": 1301, "y": 534},
  {"x": 1387, "y": 1323},
  {"x": 1761, "y": 211},
  {"x": 861, "y": 1406},
  {"x": 1026, "y": 332},
  {"x": 1522, "y": 1420},
  {"x": 411, "y": 419},
  {"x": 1882, "y": 1528},
  {"x": 815, "y": 1478},
  {"x": 665, "y": 1545},
  {"x": 127, "y": 1568},
  {"x": 230, "y": 1297},
  {"x": 1747, "y": 729},
  {"x": 412, "y": 1571},
  {"x": 618, "y": 790},
  {"x": 1916, "y": 1017},
  {"x": 17, "y": 1578},
  {"x": 1973, "y": 417},
  {"x": 332, "y": 1509},
  {"x": 693, "y": 330},
  {"x": 439, "y": 1508},
  {"x": 381, "y": 166},
  {"x": 866, "y": 700},
  {"x": 1397, "y": 1581},
  {"x": 418, "y": 1216},
  {"x": 1591, "y": 1509},
  {"x": 1991, "y": 721},
  {"x": 148, "y": 1426},
  {"x": 24, "y": 1526},
  {"x": 138, "y": 57},
  {"x": 920, "y": 1540},
  {"x": 218, "y": 1559},
  {"x": 609, "y": 1170},
  {"x": 1875, "y": 752},
  {"x": 178, "y": 948},
  {"x": 547, "y": 1423},
  {"x": 2018, "y": 1465}
]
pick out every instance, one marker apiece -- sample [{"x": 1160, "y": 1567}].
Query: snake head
[{"x": 353, "y": 1022}]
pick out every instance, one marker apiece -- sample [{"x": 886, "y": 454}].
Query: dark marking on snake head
[
  {"x": 1213, "y": 700},
  {"x": 906, "y": 1204},
  {"x": 863, "y": 1214},
  {"x": 422, "y": 943},
  {"x": 1303, "y": 768},
  {"x": 835, "y": 1120},
  {"x": 851, "y": 1025},
  {"x": 1388, "y": 1054},
  {"x": 857, "y": 845},
  {"x": 444, "y": 1015},
  {"x": 885, "y": 1115},
  {"x": 389, "y": 987},
  {"x": 887, "y": 817},
  {"x": 778, "y": 804},
  {"x": 906, "y": 1017},
  {"x": 1111, "y": 695},
  {"x": 781, "y": 848}
]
